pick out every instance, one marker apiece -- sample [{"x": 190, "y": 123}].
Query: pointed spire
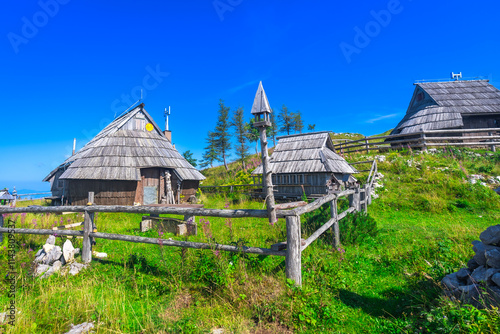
[{"x": 260, "y": 103}]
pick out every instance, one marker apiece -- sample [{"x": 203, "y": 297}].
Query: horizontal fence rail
[
  {"x": 359, "y": 199},
  {"x": 424, "y": 139}
]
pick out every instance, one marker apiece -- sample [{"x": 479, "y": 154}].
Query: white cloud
[{"x": 373, "y": 120}]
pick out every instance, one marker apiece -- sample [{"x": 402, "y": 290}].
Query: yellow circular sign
[{"x": 149, "y": 127}]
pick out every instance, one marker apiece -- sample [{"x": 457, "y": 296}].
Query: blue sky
[{"x": 69, "y": 66}]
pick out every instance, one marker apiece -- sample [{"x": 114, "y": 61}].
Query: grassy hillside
[{"x": 427, "y": 215}]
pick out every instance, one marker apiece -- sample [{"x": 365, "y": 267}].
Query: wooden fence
[
  {"x": 359, "y": 199},
  {"x": 425, "y": 139}
]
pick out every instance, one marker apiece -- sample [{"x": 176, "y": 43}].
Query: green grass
[{"x": 389, "y": 283}]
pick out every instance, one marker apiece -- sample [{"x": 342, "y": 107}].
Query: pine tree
[
  {"x": 272, "y": 131},
  {"x": 210, "y": 155},
  {"x": 298, "y": 125},
  {"x": 252, "y": 134},
  {"x": 222, "y": 135},
  {"x": 311, "y": 127},
  {"x": 285, "y": 120},
  {"x": 240, "y": 132},
  {"x": 188, "y": 155}
]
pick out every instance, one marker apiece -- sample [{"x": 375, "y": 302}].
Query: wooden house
[
  {"x": 305, "y": 163},
  {"x": 463, "y": 104},
  {"x": 6, "y": 197},
  {"x": 130, "y": 161}
]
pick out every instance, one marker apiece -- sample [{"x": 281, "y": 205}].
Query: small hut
[
  {"x": 306, "y": 163},
  {"x": 463, "y": 104},
  {"x": 6, "y": 198},
  {"x": 130, "y": 161}
]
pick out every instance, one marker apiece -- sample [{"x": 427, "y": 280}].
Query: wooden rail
[
  {"x": 424, "y": 139},
  {"x": 359, "y": 199}
]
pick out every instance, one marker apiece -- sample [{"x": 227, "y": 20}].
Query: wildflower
[
  {"x": 69, "y": 220},
  {"x": 160, "y": 234},
  {"x": 216, "y": 252},
  {"x": 227, "y": 205},
  {"x": 30, "y": 250}
]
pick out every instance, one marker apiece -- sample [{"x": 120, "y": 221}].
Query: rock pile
[
  {"x": 479, "y": 283},
  {"x": 51, "y": 259}
]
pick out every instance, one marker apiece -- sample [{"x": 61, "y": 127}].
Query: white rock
[
  {"x": 51, "y": 240},
  {"x": 48, "y": 247},
  {"x": 476, "y": 177},
  {"x": 380, "y": 158},
  {"x": 53, "y": 256},
  {"x": 81, "y": 328},
  {"x": 68, "y": 251},
  {"x": 55, "y": 268},
  {"x": 75, "y": 268},
  {"x": 99, "y": 255},
  {"x": 3, "y": 315},
  {"x": 41, "y": 268}
]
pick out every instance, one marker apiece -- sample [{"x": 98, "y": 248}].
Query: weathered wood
[
  {"x": 336, "y": 229},
  {"x": 267, "y": 177},
  {"x": 293, "y": 259},
  {"x": 465, "y": 144},
  {"x": 41, "y": 231},
  {"x": 361, "y": 162},
  {"x": 1, "y": 226},
  {"x": 136, "y": 239},
  {"x": 87, "y": 242},
  {"x": 67, "y": 226},
  {"x": 356, "y": 200},
  {"x": 282, "y": 245},
  {"x": 374, "y": 163},
  {"x": 492, "y": 147},
  {"x": 325, "y": 227},
  {"x": 366, "y": 145},
  {"x": 143, "y": 210},
  {"x": 316, "y": 204},
  {"x": 90, "y": 198},
  {"x": 290, "y": 205},
  {"x": 463, "y": 138},
  {"x": 363, "y": 200},
  {"x": 186, "y": 244}
]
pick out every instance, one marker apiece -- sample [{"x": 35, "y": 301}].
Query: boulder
[
  {"x": 68, "y": 251},
  {"x": 52, "y": 256},
  {"x": 40, "y": 269},
  {"x": 81, "y": 328},
  {"x": 479, "y": 249},
  {"x": 463, "y": 274},
  {"x": 490, "y": 273},
  {"x": 48, "y": 247},
  {"x": 99, "y": 255},
  {"x": 55, "y": 268},
  {"x": 75, "y": 268},
  {"x": 51, "y": 240},
  {"x": 40, "y": 256},
  {"x": 496, "y": 279},
  {"x": 472, "y": 264},
  {"x": 478, "y": 275},
  {"x": 493, "y": 258},
  {"x": 451, "y": 281},
  {"x": 491, "y": 236}
]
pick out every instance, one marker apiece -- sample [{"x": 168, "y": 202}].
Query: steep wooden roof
[
  {"x": 122, "y": 148},
  {"x": 441, "y": 105},
  {"x": 306, "y": 153}
]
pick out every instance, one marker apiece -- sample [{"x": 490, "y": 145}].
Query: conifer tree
[
  {"x": 285, "y": 120},
  {"x": 210, "y": 155},
  {"x": 240, "y": 133},
  {"x": 222, "y": 135}
]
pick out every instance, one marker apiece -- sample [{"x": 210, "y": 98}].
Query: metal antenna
[{"x": 166, "y": 113}]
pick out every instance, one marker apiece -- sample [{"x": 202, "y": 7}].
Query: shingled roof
[
  {"x": 306, "y": 153},
  {"x": 441, "y": 105},
  {"x": 119, "y": 151}
]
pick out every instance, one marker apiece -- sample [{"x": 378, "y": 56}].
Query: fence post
[
  {"x": 293, "y": 260},
  {"x": 368, "y": 194},
  {"x": 363, "y": 197},
  {"x": 355, "y": 200},
  {"x": 336, "y": 231},
  {"x": 366, "y": 144},
  {"x": 87, "y": 243},
  {"x": 492, "y": 147},
  {"x": 424, "y": 143},
  {"x": 1, "y": 225}
]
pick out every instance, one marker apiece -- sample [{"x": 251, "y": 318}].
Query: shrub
[{"x": 357, "y": 227}]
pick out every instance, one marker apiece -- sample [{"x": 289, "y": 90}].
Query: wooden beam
[
  {"x": 325, "y": 227},
  {"x": 336, "y": 229},
  {"x": 290, "y": 205},
  {"x": 87, "y": 242},
  {"x": 133, "y": 238},
  {"x": 293, "y": 259},
  {"x": 1, "y": 226}
]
